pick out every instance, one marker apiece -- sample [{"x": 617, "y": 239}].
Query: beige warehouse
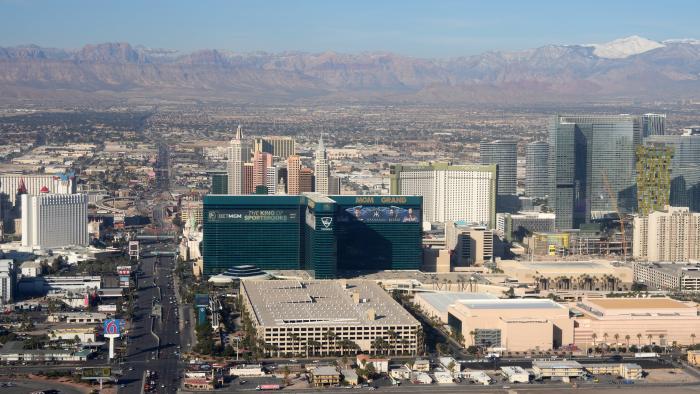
[
  {"x": 513, "y": 324},
  {"x": 635, "y": 321}
]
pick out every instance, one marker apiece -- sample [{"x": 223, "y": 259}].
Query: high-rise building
[
  {"x": 293, "y": 175},
  {"x": 281, "y": 147},
  {"x": 591, "y": 167},
  {"x": 65, "y": 183},
  {"x": 238, "y": 154},
  {"x": 653, "y": 177},
  {"x": 261, "y": 162},
  {"x": 469, "y": 245},
  {"x": 312, "y": 232},
  {"x": 505, "y": 155},
  {"x": 450, "y": 193},
  {"x": 54, "y": 220},
  {"x": 248, "y": 169},
  {"x": 272, "y": 179},
  {"x": 306, "y": 180},
  {"x": 669, "y": 235},
  {"x": 536, "y": 170},
  {"x": 8, "y": 281},
  {"x": 321, "y": 169},
  {"x": 219, "y": 182},
  {"x": 653, "y": 124},
  {"x": 685, "y": 168}
]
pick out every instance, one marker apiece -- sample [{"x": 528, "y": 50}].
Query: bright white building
[
  {"x": 8, "y": 281},
  {"x": 669, "y": 235},
  {"x": 321, "y": 169},
  {"x": 237, "y": 155},
  {"x": 33, "y": 183},
  {"x": 450, "y": 193},
  {"x": 54, "y": 220}
]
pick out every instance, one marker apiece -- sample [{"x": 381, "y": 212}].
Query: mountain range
[{"x": 629, "y": 68}]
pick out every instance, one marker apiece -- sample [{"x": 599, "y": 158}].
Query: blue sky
[{"x": 417, "y": 28}]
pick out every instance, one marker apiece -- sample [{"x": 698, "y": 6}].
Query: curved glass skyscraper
[{"x": 591, "y": 164}]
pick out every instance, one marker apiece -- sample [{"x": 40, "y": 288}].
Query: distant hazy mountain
[{"x": 632, "y": 67}]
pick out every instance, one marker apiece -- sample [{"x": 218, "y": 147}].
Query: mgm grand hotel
[{"x": 312, "y": 232}]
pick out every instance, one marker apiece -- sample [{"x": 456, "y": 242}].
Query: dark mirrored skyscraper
[
  {"x": 591, "y": 166},
  {"x": 505, "y": 155},
  {"x": 536, "y": 167}
]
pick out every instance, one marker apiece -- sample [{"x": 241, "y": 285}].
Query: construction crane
[{"x": 613, "y": 200}]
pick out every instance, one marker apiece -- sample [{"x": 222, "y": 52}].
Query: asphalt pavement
[{"x": 146, "y": 351}]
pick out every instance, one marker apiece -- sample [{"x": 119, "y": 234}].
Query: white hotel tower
[
  {"x": 321, "y": 169},
  {"x": 54, "y": 220}
]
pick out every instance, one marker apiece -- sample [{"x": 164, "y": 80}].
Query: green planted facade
[{"x": 653, "y": 178}]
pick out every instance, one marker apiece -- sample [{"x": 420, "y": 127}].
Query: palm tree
[
  {"x": 393, "y": 338},
  {"x": 692, "y": 339},
  {"x": 650, "y": 337},
  {"x": 639, "y": 339},
  {"x": 472, "y": 334},
  {"x": 627, "y": 339},
  {"x": 295, "y": 339},
  {"x": 594, "y": 336},
  {"x": 617, "y": 338},
  {"x": 313, "y": 344},
  {"x": 329, "y": 337},
  {"x": 605, "y": 338}
]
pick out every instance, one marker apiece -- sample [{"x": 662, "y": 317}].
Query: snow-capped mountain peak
[{"x": 625, "y": 47}]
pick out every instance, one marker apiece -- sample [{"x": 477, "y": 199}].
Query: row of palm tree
[
  {"x": 393, "y": 343},
  {"x": 639, "y": 336},
  {"x": 462, "y": 283},
  {"x": 605, "y": 282}
]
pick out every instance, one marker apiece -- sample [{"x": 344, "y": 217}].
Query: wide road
[{"x": 155, "y": 350}]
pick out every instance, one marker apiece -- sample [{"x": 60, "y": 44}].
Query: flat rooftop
[
  {"x": 516, "y": 303},
  {"x": 323, "y": 302},
  {"x": 636, "y": 303},
  {"x": 441, "y": 301},
  {"x": 557, "y": 364}
]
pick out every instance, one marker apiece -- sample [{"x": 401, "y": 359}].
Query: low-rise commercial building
[
  {"x": 325, "y": 376},
  {"x": 624, "y": 370},
  {"x": 513, "y": 324},
  {"x": 634, "y": 321},
  {"x": 515, "y": 374},
  {"x": 381, "y": 365},
  {"x": 77, "y": 317},
  {"x": 318, "y": 317},
  {"x": 247, "y": 370},
  {"x": 14, "y": 352},
  {"x": 517, "y": 226},
  {"x": 564, "y": 369},
  {"x": 435, "y": 304},
  {"x": 82, "y": 335},
  {"x": 668, "y": 276}
]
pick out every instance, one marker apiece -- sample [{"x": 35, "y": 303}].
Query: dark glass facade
[
  {"x": 384, "y": 237},
  {"x": 219, "y": 182},
  {"x": 317, "y": 233}
]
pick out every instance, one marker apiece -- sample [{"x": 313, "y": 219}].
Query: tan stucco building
[
  {"x": 635, "y": 321},
  {"x": 513, "y": 324}
]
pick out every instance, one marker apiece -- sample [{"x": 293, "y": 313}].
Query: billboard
[
  {"x": 113, "y": 326},
  {"x": 97, "y": 373},
  {"x": 253, "y": 216},
  {"x": 124, "y": 270},
  {"x": 124, "y": 281},
  {"x": 381, "y": 214}
]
